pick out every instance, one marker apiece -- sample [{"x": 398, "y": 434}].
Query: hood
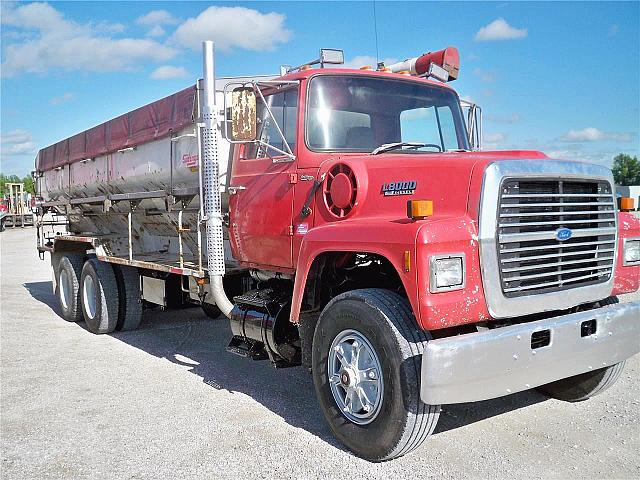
[{"x": 382, "y": 184}]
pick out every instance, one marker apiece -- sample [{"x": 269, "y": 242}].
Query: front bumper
[{"x": 501, "y": 361}]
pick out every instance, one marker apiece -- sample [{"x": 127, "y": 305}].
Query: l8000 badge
[{"x": 399, "y": 188}]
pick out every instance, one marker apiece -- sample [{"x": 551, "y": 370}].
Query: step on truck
[{"x": 348, "y": 221}]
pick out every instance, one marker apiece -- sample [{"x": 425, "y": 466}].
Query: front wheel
[
  {"x": 586, "y": 385},
  {"x": 367, "y": 351},
  {"x": 583, "y": 386}
]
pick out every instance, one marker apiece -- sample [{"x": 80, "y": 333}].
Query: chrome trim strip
[
  {"x": 498, "y": 304},
  {"x": 539, "y": 266},
  {"x": 551, "y": 247},
  {"x": 523, "y": 237},
  {"x": 498, "y": 362},
  {"x": 556, "y": 255}
]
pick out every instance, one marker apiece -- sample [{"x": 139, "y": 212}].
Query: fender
[{"x": 389, "y": 238}]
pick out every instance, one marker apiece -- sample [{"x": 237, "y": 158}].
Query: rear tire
[
  {"x": 130, "y": 303},
  {"x": 586, "y": 385},
  {"x": 99, "y": 295},
  {"x": 388, "y": 419},
  {"x": 68, "y": 286}
]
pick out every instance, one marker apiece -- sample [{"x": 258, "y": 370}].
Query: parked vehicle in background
[
  {"x": 348, "y": 221},
  {"x": 17, "y": 204}
]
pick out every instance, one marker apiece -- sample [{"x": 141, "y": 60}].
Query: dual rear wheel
[{"x": 107, "y": 296}]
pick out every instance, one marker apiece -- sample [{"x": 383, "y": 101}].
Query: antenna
[{"x": 375, "y": 29}]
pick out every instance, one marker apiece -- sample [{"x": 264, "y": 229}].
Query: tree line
[
  {"x": 626, "y": 170},
  {"x": 27, "y": 180}
]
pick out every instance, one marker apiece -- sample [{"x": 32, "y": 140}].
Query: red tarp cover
[{"x": 153, "y": 121}]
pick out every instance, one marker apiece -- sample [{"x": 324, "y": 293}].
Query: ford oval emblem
[{"x": 563, "y": 234}]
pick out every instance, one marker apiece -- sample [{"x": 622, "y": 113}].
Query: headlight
[
  {"x": 631, "y": 251},
  {"x": 446, "y": 272}
]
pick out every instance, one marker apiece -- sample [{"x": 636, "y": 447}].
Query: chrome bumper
[{"x": 493, "y": 363}]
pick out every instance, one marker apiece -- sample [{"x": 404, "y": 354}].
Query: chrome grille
[{"x": 531, "y": 211}]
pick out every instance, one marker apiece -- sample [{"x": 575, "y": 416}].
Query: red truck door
[{"x": 261, "y": 210}]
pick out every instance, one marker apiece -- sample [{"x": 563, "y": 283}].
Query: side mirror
[
  {"x": 243, "y": 115},
  {"x": 473, "y": 114}
]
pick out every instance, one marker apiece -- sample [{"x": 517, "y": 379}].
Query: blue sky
[{"x": 563, "y": 78}]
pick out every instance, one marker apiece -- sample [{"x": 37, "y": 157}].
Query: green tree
[
  {"x": 28, "y": 184},
  {"x": 4, "y": 179},
  {"x": 626, "y": 169}
]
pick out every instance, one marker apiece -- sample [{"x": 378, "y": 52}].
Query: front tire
[
  {"x": 99, "y": 295},
  {"x": 210, "y": 310},
  {"x": 367, "y": 352},
  {"x": 586, "y": 385}
]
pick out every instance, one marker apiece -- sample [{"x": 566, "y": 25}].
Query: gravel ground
[{"x": 167, "y": 401}]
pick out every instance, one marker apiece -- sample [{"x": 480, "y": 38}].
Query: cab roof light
[
  {"x": 419, "y": 209},
  {"x": 328, "y": 56}
]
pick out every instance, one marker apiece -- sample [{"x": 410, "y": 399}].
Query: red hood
[{"x": 451, "y": 180}]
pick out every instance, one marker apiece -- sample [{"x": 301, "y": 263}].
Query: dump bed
[{"x": 142, "y": 125}]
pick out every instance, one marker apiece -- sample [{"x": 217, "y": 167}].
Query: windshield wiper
[{"x": 393, "y": 146}]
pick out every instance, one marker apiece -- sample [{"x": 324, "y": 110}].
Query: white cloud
[
  {"x": 484, "y": 75},
  {"x": 61, "y": 43},
  {"x": 17, "y": 142},
  {"x": 157, "y": 17},
  {"x": 499, "y": 30},
  {"x": 168, "y": 71},
  {"x": 231, "y": 27},
  {"x": 493, "y": 141},
  {"x": 494, "y": 137},
  {"x": 60, "y": 99},
  {"x": 366, "y": 60},
  {"x": 601, "y": 157},
  {"x": 15, "y": 136},
  {"x": 506, "y": 119},
  {"x": 591, "y": 134},
  {"x": 156, "y": 31}
]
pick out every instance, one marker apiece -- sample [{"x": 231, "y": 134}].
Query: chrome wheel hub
[
  {"x": 89, "y": 296},
  {"x": 355, "y": 377},
  {"x": 64, "y": 289}
]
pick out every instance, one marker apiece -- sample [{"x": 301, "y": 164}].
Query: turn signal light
[
  {"x": 627, "y": 204},
  {"x": 417, "y": 209}
]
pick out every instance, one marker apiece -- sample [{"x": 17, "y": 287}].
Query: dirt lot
[{"x": 167, "y": 401}]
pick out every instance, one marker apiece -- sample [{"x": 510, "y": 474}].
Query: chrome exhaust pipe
[{"x": 212, "y": 200}]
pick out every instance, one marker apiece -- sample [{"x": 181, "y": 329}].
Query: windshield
[{"x": 356, "y": 113}]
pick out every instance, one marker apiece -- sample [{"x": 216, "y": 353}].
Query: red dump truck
[{"x": 349, "y": 222}]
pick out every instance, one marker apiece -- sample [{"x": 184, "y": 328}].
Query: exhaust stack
[{"x": 212, "y": 200}]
